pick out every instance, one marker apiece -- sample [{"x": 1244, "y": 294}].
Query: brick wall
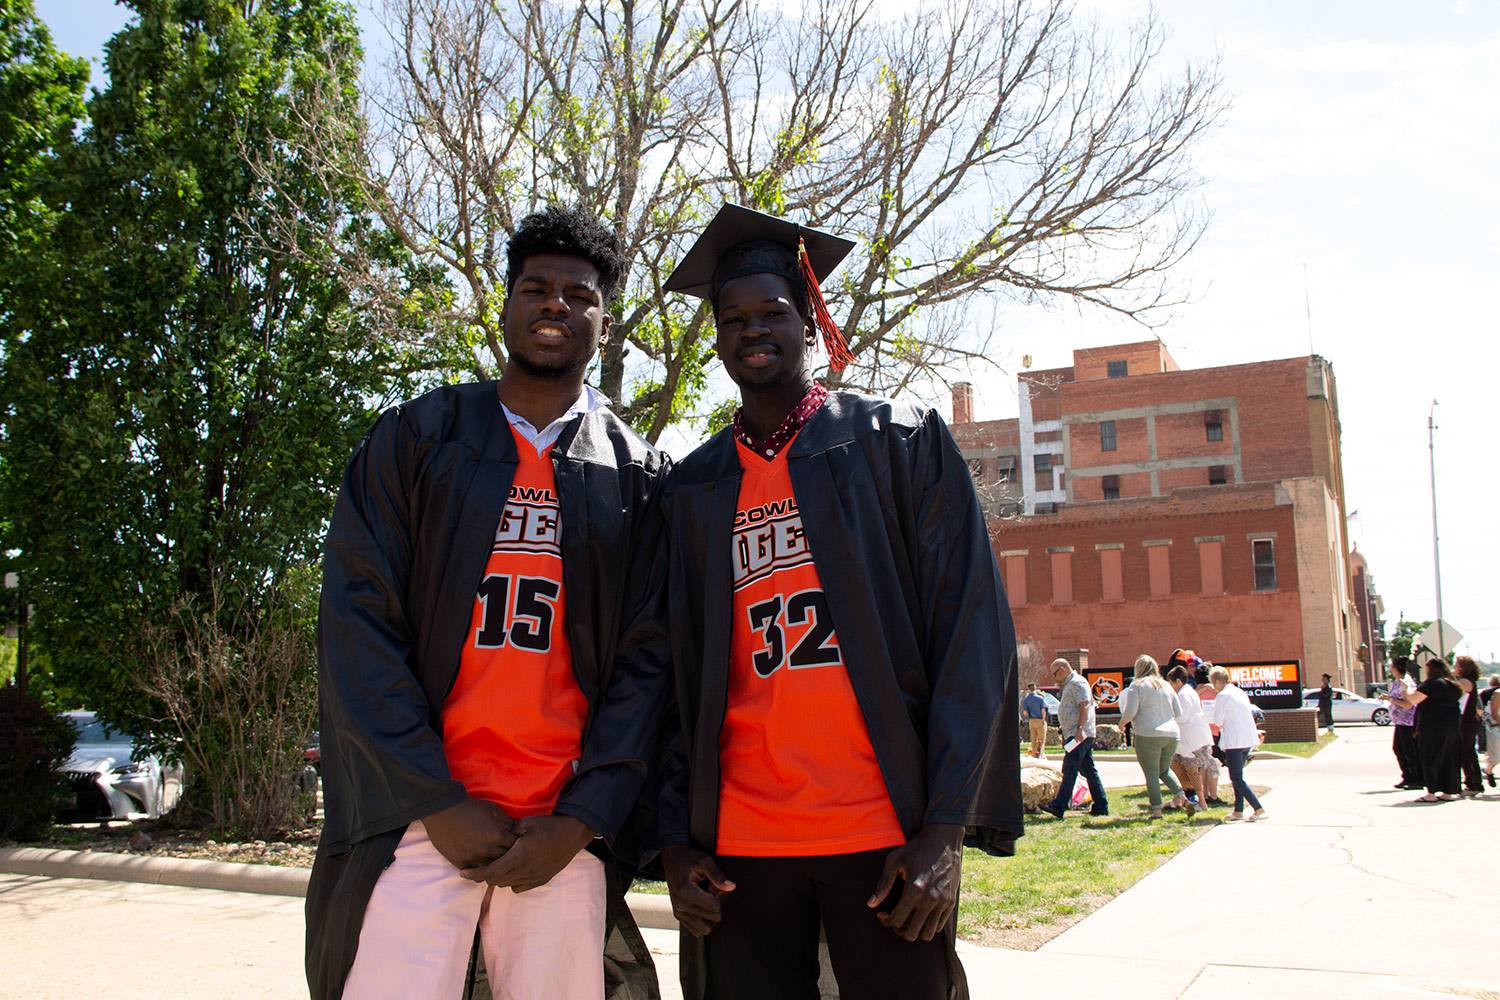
[
  {"x": 1239, "y": 624},
  {"x": 1140, "y": 359},
  {"x": 1291, "y": 725},
  {"x": 1269, "y": 400}
]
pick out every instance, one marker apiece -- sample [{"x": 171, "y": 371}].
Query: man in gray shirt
[{"x": 1075, "y": 717}]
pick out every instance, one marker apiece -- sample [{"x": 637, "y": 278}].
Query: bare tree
[{"x": 979, "y": 151}]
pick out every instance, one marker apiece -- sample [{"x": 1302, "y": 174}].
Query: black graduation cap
[{"x": 740, "y": 241}]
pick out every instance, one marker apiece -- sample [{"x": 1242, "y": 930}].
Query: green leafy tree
[
  {"x": 1406, "y": 633},
  {"x": 41, "y": 100},
  {"x": 189, "y": 368}
]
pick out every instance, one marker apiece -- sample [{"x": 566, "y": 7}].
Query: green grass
[
  {"x": 1062, "y": 870},
  {"x": 1300, "y": 749},
  {"x": 1065, "y": 869}
]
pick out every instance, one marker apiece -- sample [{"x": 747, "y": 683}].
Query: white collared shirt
[
  {"x": 589, "y": 400},
  {"x": 1235, "y": 721}
]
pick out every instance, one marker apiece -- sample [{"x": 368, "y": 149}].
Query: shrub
[
  {"x": 34, "y": 745},
  {"x": 238, "y": 679}
]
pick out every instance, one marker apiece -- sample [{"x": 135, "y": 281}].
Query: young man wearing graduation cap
[
  {"x": 492, "y": 666},
  {"x": 844, "y": 658}
]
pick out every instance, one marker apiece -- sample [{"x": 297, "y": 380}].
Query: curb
[{"x": 271, "y": 880}]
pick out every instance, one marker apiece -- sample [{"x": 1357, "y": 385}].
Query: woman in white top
[
  {"x": 1195, "y": 742},
  {"x": 1150, "y": 706},
  {"x": 1237, "y": 737}
]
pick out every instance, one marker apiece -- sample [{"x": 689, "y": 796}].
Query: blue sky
[{"x": 1363, "y": 144}]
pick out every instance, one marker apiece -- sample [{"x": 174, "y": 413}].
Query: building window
[
  {"x": 1007, "y": 468},
  {"x": 1264, "y": 552},
  {"x": 1043, "y": 466},
  {"x": 1111, "y": 579},
  {"x": 1159, "y": 569},
  {"x": 1218, "y": 475},
  {"x": 1015, "y": 580},
  {"x": 1117, "y": 369},
  {"x": 1111, "y": 487},
  {"x": 1211, "y": 568},
  {"x": 1106, "y": 435},
  {"x": 1062, "y": 578},
  {"x": 1213, "y": 425}
]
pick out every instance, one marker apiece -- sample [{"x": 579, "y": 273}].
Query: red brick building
[{"x": 1136, "y": 507}]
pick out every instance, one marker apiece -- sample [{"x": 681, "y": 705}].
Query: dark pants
[
  {"x": 1468, "y": 755},
  {"x": 767, "y": 944},
  {"x": 1404, "y": 744},
  {"x": 1080, "y": 760},
  {"x": 1242, "y": 791},
  {"x": 1325, "y": 716},
  {"x": 1437, "y": 745}
]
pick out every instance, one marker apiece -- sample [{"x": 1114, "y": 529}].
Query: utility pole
[{"x": 1437, "y": 566}]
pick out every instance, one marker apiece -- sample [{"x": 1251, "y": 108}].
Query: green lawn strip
[
  {"x": 1300, "y": 749},
  {"x": 1064, "y": 869}
]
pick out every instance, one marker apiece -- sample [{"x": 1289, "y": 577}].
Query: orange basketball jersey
[
  {"x": 798, "y": 775},
  {"x": 513, "y": 721}
]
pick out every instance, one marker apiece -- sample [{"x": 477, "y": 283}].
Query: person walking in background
[
  {"x": 1075, "y": 716},
  {"x": 1237, "y": 737},
  {"x": 1438, "y": 731},
  {"x": 1325, "y": 702},
  {"x": 1034, "y": 707},
  {"x": 1150, "y": 705},
  {"x": 1491, "y": 715},
  {"x": 1471, "y": 723},
  {"x": 1404, "y": 722},
  {"x": 1194, "y": 741}
]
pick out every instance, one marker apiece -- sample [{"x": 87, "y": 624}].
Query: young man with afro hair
[{"x": 491, "y": 666}]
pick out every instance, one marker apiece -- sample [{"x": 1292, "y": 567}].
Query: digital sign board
[{"x": 1269, "y": 684}]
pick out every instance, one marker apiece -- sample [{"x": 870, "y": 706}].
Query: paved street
[{"x": 1302, "y": 905}]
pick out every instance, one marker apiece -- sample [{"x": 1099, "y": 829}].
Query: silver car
[
  {"x": 111, "y": 780},
  {"x": 1350, "y": 707}
]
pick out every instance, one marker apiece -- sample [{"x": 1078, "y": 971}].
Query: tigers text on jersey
[
  {"x": 798, "y": 773},
  {"x": 513, "y": 721}
]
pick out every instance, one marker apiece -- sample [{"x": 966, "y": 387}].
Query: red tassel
[{"x": 839, "y": 355}]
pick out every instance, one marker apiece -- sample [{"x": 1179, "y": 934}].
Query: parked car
[
  {"x": 1350, "y": 707},
  {"x": 1049, "y": 695},
  {"x": 112, "y": 780}
]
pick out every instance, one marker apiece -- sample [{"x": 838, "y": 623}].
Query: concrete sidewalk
[
  {"x": 1309, "y": 903},
  {"x": 67, "y": 938}
]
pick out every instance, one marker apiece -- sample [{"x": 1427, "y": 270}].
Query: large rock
[
  {"x": 1039, "y": 785},
  {"x": 1107, "y": 737}
]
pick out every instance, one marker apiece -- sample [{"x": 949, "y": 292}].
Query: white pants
[{"x": 419, "y": 926}]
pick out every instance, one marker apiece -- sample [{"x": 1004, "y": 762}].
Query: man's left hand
[
  {"x": 544, "y": 846},
  {"x": 931, "y": 863}
]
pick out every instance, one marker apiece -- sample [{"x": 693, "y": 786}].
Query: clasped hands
[
  {"x": 931, "y": 864},
  {"x": 486, "y": 845}
]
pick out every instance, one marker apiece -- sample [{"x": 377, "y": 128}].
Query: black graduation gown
[
  {"x": 406, "y": 549},
  {"x": 904, "y": 556}
]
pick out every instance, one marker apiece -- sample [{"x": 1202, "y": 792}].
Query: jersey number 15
[{"x": 525, "y": 622}]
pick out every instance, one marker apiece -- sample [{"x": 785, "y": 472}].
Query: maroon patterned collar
[{"x": 783, "y": 434}]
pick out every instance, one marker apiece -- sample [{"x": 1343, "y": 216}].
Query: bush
[
  {"x": 238, "y": 678},
  {"x": 34, "y": 745}
]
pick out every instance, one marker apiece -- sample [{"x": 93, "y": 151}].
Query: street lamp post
[{"x": 1437, "y": 566}]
